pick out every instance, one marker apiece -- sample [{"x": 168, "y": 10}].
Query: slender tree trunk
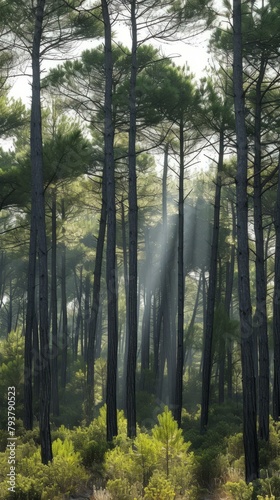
[
  {"x": 54, "y": 348},
  {"x": 228, "y": 298},
  {"x": 211, "y": 298},
  {"x": 78, "y": 326},
  {"x": 36, "y": 361},
  {"x": 64, "y": 349},
  {"x": 260, "y": 317},
  {"x": 190, "y": 330},
  {"x": 245, "y": 309},
  {"x": 30, "y": 311},
  {"x": 95, "y": 308},
  {"x": 125, "y": 273},
  {"x": 181, "y": 288},
  {"x": 111, "y": 395},
  {"x": 133, "y": 229},
  {"x": 86, "y": 314},
  {"x": 146, "y": 321},
  {"x": 38, "y": 189},
  {"x": 276, "y": 308},
  {"x": 10, "y": 310}
]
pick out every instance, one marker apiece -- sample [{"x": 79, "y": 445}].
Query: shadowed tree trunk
[
  {"x": 228, "y": 298},
  {"x": 54, "y": 348},
  {"x": 64, "y": 349},
  {"x": 30, "y": 311},
  {"x": 36, "y": 361},
  {"x": 86, "y": 314},
  {"x": 181, "y": 288},
  {"x": 146, "y": 321},
  {"x": 133, "y": 229},
  {"x": 245, "y": 310},
  {"x": 125, "y": 274},
  {"x": 111, "y": 393},
  {"x": 211, "y": 297},
  {"x": 38, "y": 190},
  {"x": 95, "y": 308},
  {"x": 260, "y": 317},
  {"x": 276, "y": 308}
]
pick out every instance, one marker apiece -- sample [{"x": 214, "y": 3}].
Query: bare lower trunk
[
  {"x": 30, "y": 311},
  {"x": 181, "y": 288},
  {"x": 132, "y": 284},
  {"x": 111, "y": 394},
  {"x": 245, "y": 310},
  {"x": 276, "y": 309},
  {"x": 38, "y": 189},
  {"x": 54, "y": 349},
  {"x": 261, "y": 313},
  {"x": 95, "y": 308},
  {"x": 64, "y": 348},
  {"x": 211, "y": 297}
]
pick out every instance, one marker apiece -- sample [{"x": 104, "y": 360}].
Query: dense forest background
[{"x": 139, "y": 251}]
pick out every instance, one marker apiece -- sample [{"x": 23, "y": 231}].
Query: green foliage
[
  {"x": 166, "y": 432},
  {"x": 161, "y": 457},
  {"x": 63, "y": 476},
  {"x": 240, "y": 490},
  {"x": 159, "y": 488},
  {"x": 11, "y": 372},
  {"x": 212, "y": 466}
]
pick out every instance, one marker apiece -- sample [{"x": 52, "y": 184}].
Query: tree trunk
[
  {"x": 64, "y": 348},
  {"x": 181, "y": 288},
  {"x": 260, "y": 316},
  {"x": 38, "y": 189},
  {"x": 30, "y": 311},
  {"x": 54, "y": 348},
  {"x": 111, "y": 394},
  {"x": 36, "y": 363},
  {"x": 276, "y": 308},
  {"x": 133, "y": 229},
  {"x": 146, "y": 321},
  {"x": 228, "y": 298},
  {"x": 95, "y": 308},
  {"x": 86, "y": 315},
  {"x": 211, "y": 297},
  {"x": 245, "y": 310},
  {"x": 190, "y": 330},
  {"x": 125, "y": 273}
]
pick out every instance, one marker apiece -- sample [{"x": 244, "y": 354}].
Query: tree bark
[
  {"x": 54, "y": 348},
  {"x": 228, "y": 298},
  {"x": 111, "y": 394},
  {"x": 86, "y": 315},
  {"x": 260, "y": 316},
  {"x": 181, "y": 288},
  {"x": 64, "y": 348},
  {"x": 38, "y": 189},
  {"x": 95, "y": 308},
  {"x": 30, "y": 311},
  {"x": 211, "y": 297},
  {"x": 245, "y": 310},
  {"x": 276, "y": 308},
  {"x": 125, "y": 274},
  {"x": 133, "y": 236}
]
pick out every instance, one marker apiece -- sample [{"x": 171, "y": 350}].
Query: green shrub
[
  {"x": 235, "y": 447},
  {"x": 269, "y": 488},
  {"x": 212, "y": 467},
  {"x": 131, "y": 465},
  {"x": 240, "y": 490},
  {"x": 62, "y": 476},
  {"x": 159, "y": 488},
  {"x": 119, "y": 489}
]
